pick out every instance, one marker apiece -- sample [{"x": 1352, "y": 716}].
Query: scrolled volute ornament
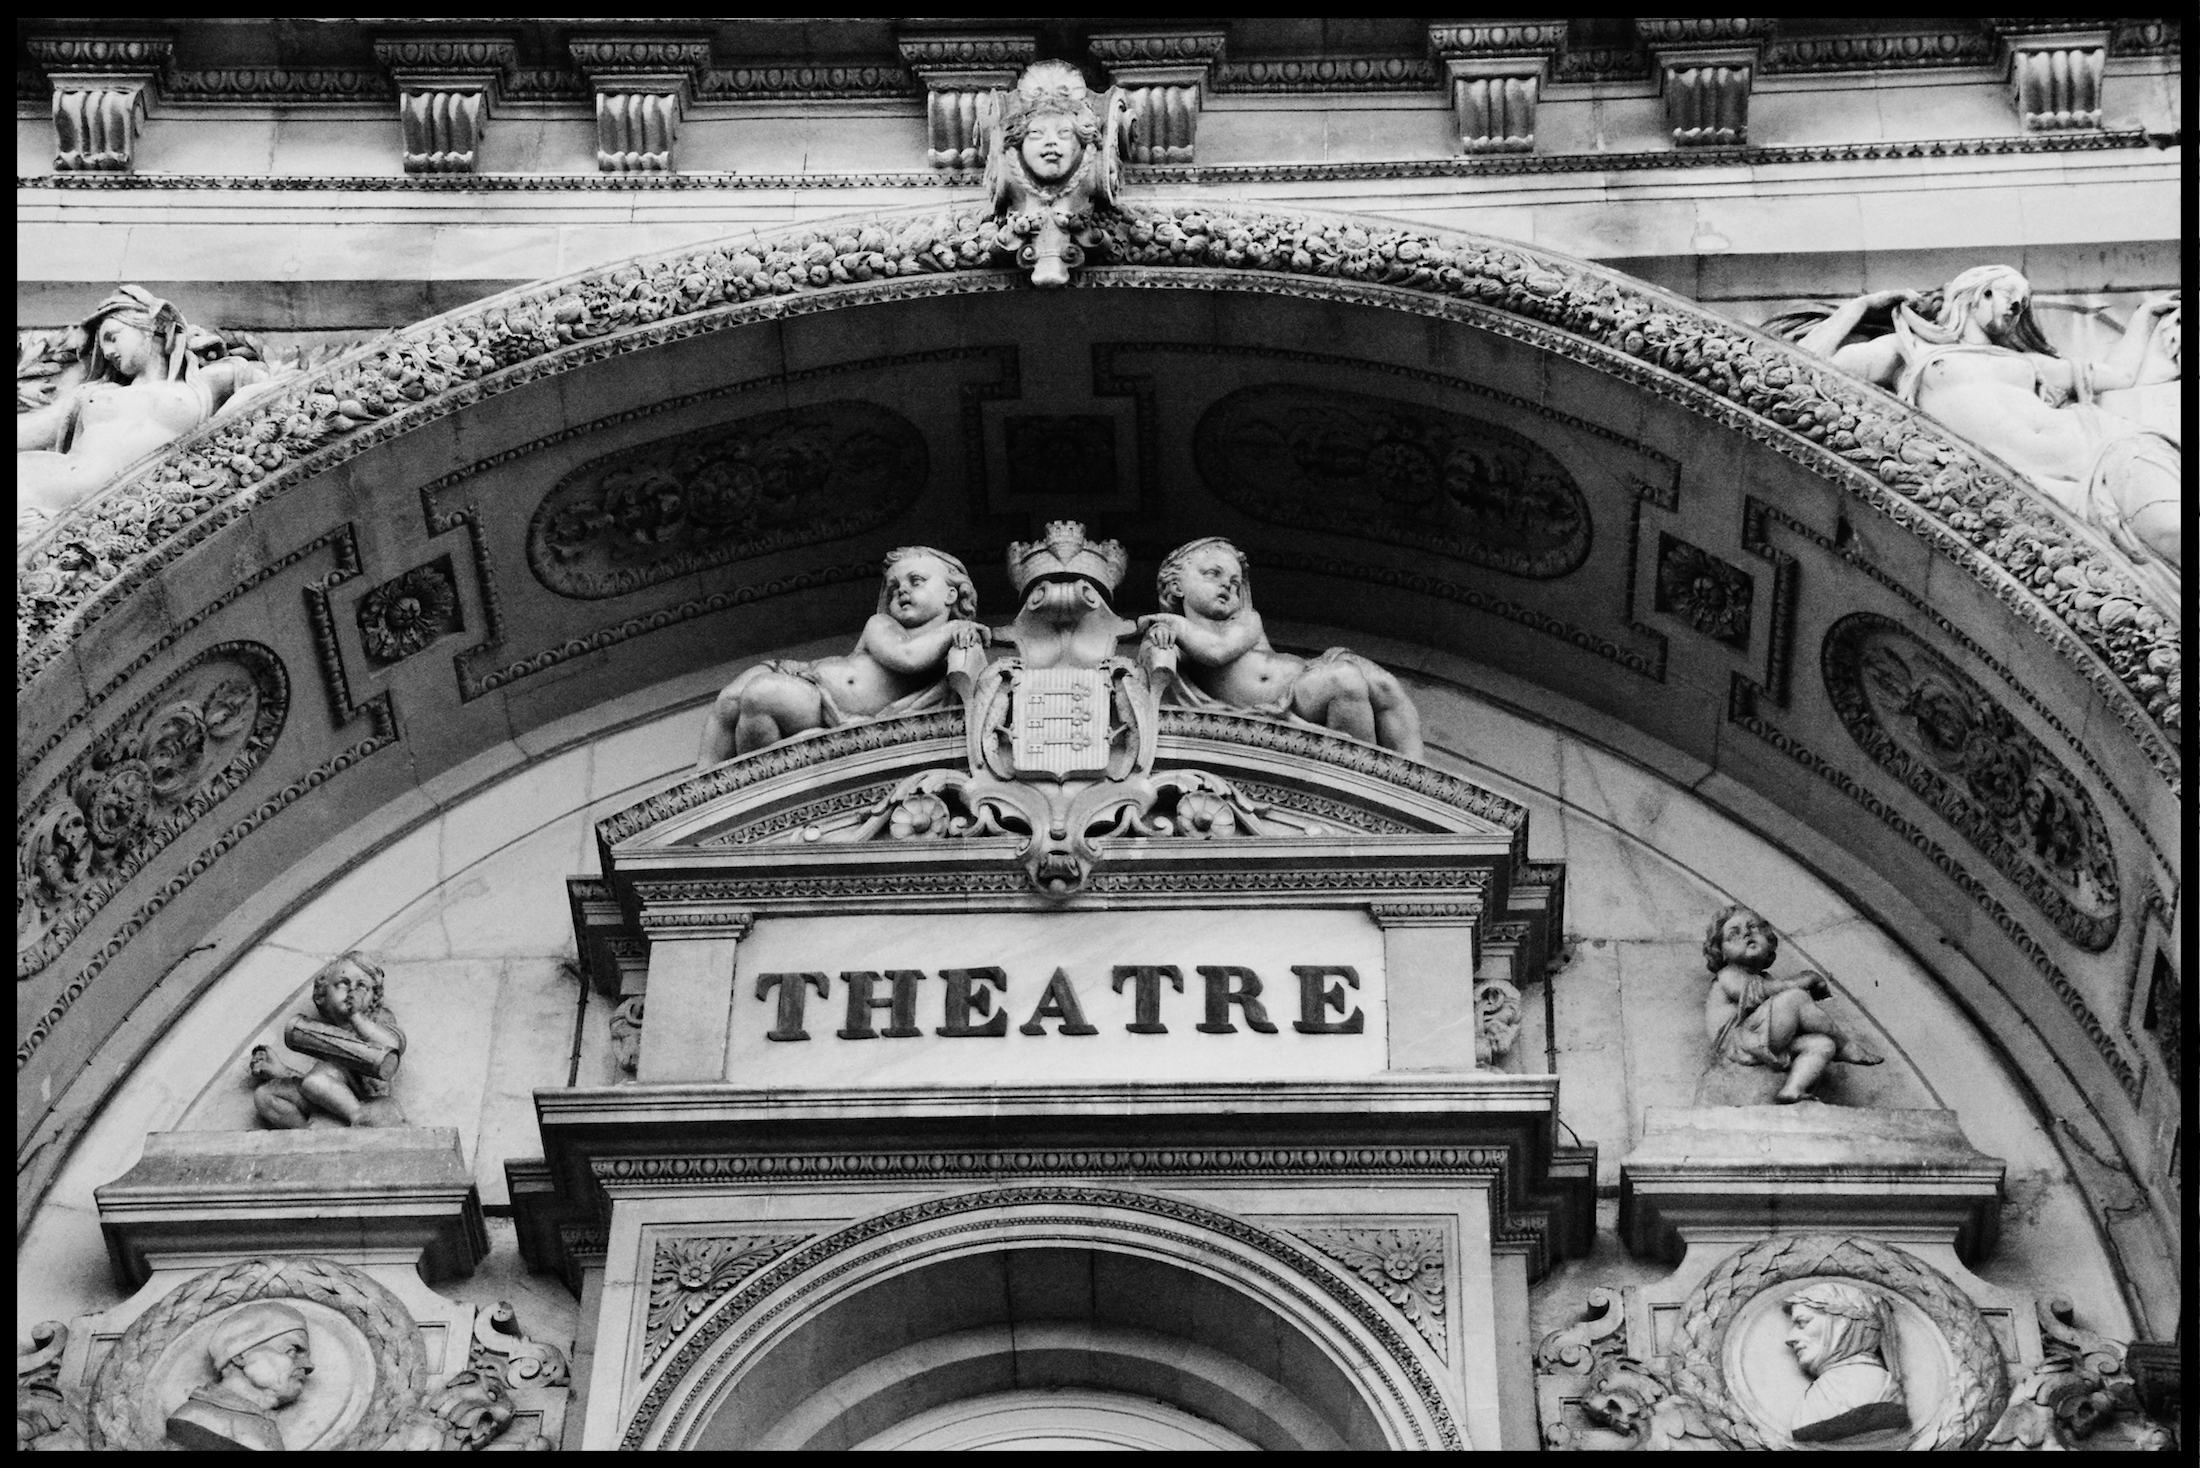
[{"x": 2080, "y": 1397}]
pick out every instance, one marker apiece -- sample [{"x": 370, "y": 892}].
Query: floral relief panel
[
  {"x": 1966, "y": 757},
  {"x": 1348, "y": 464},
  {"x": 766, "y": 483}
]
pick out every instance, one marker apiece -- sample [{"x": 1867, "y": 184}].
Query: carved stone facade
[{"x": 1063, "y": 999}]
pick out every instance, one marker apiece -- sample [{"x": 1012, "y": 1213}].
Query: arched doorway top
[
  {"x": 1375, "y": 1360},
  {"x": 1964, "y": 505}
]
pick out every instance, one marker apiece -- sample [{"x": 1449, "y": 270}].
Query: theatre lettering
[{"x": 976, "y": 1003}]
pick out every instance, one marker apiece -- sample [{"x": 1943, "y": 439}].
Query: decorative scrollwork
[
  {"x": 726, "y": 493},
  {"x": 1394, "y": 472},
  {"x": 2081, "y": 1396},
  {"x": 1939, "y": 733},
  {"x": 182, "y": 750}
]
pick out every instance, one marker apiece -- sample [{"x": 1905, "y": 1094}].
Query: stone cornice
[
  {"x": 1187, "y": 174},
  {"x": 1959, "y": 502}
]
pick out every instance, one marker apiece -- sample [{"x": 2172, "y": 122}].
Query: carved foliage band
[
  {"x": 766, "y": 483},
  {"x": 1405, "y": 475},
  {"x": 175, "y": 756},
  {"x": 1939, "y": 733}
]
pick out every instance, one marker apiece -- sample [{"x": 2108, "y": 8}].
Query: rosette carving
[{"x": 1403, "y": 1265}]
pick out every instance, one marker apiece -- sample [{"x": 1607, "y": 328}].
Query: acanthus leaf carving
[
  {"x": 1406, "y": 1266},
  {"x": 688, "y": 1275}
]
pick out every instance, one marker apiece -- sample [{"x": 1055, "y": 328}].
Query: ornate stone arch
[
  {"x": 383, "y": 471},
  {"x": 1343, "y": 1322}
]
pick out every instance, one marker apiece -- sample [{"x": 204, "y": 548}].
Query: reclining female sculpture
[
  {"x": 1207, "y": 616},
  {"x": 898, "y": 666},
  {"x": 148, "y": 379},
  {"x": 1980, "y": 364}
]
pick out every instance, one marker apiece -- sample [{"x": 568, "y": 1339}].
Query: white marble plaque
[{"x": 1044, "y": 997}]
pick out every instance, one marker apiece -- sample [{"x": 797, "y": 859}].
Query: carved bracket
[
  {"x": 2055, "y": 76},
  {"x": 101, "y": 88},
  {"x": 642, "y": 88},
  {"x": 1165, "y": 75},
  {"x": 958, "y": 70},
  {"x": 447, "y": 87},
  {"x": 1495, "y": 72},
  {"x": 1705, "y": 69}
]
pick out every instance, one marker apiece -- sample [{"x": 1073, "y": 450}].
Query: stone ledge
[
  {"x": 1784, "y": 1169},
  {"x": 332, "y": 1193}
]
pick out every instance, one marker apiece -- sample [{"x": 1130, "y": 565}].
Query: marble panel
[{"x": 1028, "y": 950}]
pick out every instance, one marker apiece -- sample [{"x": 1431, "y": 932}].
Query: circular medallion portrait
[
  {"x": 264, "y": 1355},
  {"x": 1838, "y": 1363},
  {"x": 1837, "y": 1341}
]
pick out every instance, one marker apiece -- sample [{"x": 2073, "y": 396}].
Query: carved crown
[{"x": 1064, "y": 551}]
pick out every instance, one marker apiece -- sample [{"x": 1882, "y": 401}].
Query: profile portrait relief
[
  {"x": 262, "y": 1358},
  {"x": 1845, "y": 1341}
]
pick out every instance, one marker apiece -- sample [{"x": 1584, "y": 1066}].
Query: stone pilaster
[
  {"x": 1705, "y": 69},
  {"x": 1495, "y": 69},
  {"x": 2054, "y": 74},
  {"x": 957, "y": 69},
  {"x": 101, "y": 88},
  {"x": 642, "y": 88},
  {"x": 447, "y": 87},
  {"x": 1164, "y": 76}
]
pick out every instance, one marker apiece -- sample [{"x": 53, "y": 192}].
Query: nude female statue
[
  {"x": 1981, "y": 365},
  {"x": 1207, "y": 615},
  {"x": 144, "y": 385},
  {"x": 898, "y": 666}
]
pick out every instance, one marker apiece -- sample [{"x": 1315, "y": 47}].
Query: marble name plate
[{"x": 1044, "y": 997}]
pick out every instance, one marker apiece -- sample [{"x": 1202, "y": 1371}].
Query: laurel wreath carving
[
  {"x": 1977, "y": 1391},
  {"x": 123, "y": 1418}
]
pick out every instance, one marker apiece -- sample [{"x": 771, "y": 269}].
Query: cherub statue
[
  {"x": 1207, "y": 616},
  {"x": 148, "y": 378},
  {"x": 261, "y": 1355},
  {"x": 1053, "y": 158},
  {"x": 1972, "y": 354},
  {"x": 926, "y": 604},
  {"x": 356, "y": 1044},
  {"x": 1846, "y": 1343},
  {"x": 1754, "y": 1019}
]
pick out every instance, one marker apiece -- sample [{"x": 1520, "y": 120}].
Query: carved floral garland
[{"x": 81, "y": 568}]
